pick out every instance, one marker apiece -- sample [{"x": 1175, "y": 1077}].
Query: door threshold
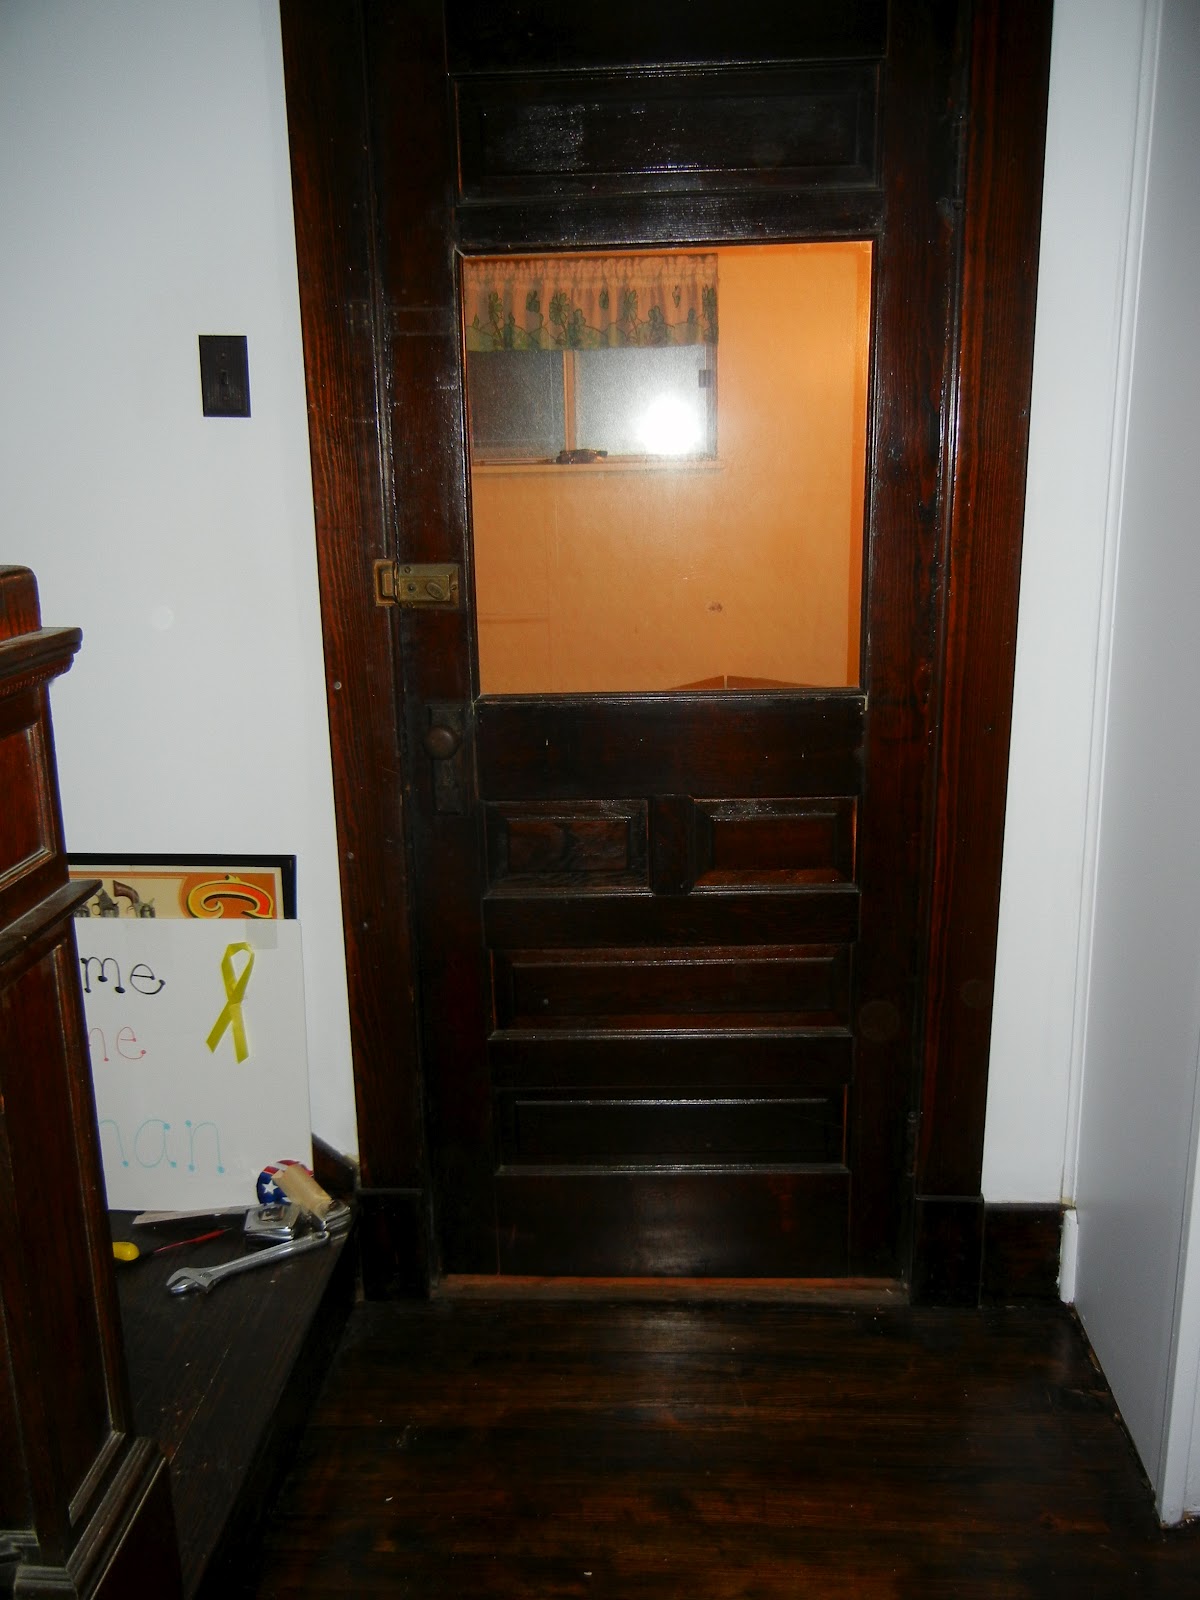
[{"x": 803, "y": 1291}]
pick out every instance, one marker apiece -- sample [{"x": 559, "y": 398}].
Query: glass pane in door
[{"x": 668, "y": 465}]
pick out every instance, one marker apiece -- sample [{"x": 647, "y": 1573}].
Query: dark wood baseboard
[
  {"x": 129, "y": 1544},
  {"x": 947, "y": 1250},
  {"x": 1022, "y": 1246},
  {"x": 142, "y": 1554},
  {"x": 394, "y": 1242},
  {"x": 966, "y": 1253}
]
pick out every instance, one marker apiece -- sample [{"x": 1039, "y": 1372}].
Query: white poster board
[{"x": 197, "y": 1044}]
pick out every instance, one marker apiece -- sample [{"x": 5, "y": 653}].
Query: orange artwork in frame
[{"x": 201, "y": 888}]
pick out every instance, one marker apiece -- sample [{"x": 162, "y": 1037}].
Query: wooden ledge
[{"x": 223, "y": 1381}]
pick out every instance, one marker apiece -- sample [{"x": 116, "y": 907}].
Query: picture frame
[{"x": 189, "y": 887}]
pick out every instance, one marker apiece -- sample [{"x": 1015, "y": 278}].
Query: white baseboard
[{"x": 1070, "y": 1256}]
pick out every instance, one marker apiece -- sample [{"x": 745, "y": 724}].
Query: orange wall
[{"x": 612, "y": 578}]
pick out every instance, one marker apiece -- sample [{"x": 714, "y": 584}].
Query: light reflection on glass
[{"x": 669, "y": 427}]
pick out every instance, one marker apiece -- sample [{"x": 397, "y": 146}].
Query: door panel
[
  {"x": 712, "y": 917},
  {"x": 721, "y": 987},
  {"x": 669, "y": 945},
  {"x": 670, "y": 1223},
  {"x": 555, "y": 1131},
  {"x": 532, "y": 136},
  {"x": 621, "y": 990},
  {"x": 766, "y": 1058},
  {"x": 768, "y": 747},
  {"x": 538, "y": 35}
]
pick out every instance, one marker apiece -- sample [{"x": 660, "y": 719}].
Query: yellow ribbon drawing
[{"x": 235, "y": 993}]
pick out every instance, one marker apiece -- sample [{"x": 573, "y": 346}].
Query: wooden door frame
[{"x": 987, "y": 429}]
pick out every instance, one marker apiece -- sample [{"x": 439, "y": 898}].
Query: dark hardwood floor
[{"x": 633, "y": 1447}]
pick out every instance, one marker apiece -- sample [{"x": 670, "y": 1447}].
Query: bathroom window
[{"x": 580, "y": 359}]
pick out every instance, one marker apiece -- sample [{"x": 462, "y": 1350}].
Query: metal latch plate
[{"x": 431, "y": 584}]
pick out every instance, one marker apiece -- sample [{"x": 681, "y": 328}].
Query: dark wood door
[{"x": 669, "y": 948}]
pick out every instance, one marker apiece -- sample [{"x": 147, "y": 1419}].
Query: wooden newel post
[{"x": 85, "y": 1506}]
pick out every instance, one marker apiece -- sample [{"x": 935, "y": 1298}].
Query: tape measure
[{"x": 269, "y": 1192}]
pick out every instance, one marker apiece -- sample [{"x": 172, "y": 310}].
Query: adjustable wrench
[{"x": 205, "y": 1277}]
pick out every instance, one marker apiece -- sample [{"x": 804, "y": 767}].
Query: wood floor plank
[{"x": 720, "y": 1451}]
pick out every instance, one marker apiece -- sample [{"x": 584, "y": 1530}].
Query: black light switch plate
[{"x": 224, "y": 375}]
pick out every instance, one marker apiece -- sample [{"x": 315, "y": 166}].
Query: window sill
[{"x": 499, "y": 469}]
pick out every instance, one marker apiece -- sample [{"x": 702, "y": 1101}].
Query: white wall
[
  {"x": 145, "y": 199},
  {"x": 1137, "y": 1123},
  {"x": 1093, "y": 1085},
  {"x": 1066, "y": 574}
]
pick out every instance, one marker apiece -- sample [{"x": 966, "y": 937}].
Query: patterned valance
[{"x": 590, "y": 302}]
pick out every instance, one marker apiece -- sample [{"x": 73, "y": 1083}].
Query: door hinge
[
  {"x": 434, "y": 584},
  {"x": 910, "y": 1143}
]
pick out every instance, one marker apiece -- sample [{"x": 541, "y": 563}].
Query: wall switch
[{"x": 224, "y": 375}]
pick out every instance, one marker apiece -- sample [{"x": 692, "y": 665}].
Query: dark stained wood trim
[
  {"x": 413, "y": 155},
  {"x": 394, "y": 1240},
  {"x": 912, "y": 375},
  {"x": 1004, "y": 154},
  {"x": 966, "y": 1253},
  {"x": 334, "y": 215},
  {"x": 1022, "y": 1251},
  {"x": 647, "y": 220},
  {"x": 343, "y": 334},
  {"x": 140, "y": 1556},
  {"x": 947, "y": 1250}
]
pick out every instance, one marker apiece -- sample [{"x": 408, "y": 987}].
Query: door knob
[
  {"x": 445, "y": 725},
  {"x": 441, "y": 742}
]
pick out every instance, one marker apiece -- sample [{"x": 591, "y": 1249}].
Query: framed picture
[{"x": 200, "y": 888}]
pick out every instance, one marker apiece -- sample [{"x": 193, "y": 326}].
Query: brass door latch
[{"x": 434, "y": 584}]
